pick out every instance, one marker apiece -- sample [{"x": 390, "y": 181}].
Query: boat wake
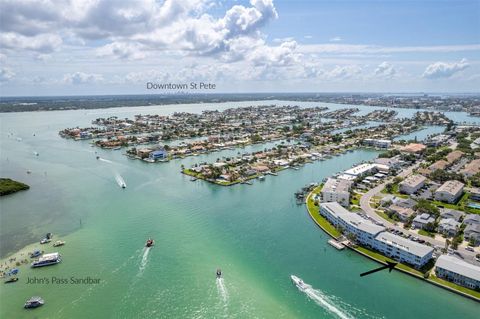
[
  {"x": 324, "y": 301},
  {"x": 120, "y": 180},
  {"x": 222, "y": 289},
  {"x": 144, "y": 261},
  {"x": 105, "y": 160}
]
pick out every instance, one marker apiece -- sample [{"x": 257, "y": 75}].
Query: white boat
[
  {"x": 47, "y": 260},
  {"x": 59, "y": 243},
  {"x": 298, "y": 282},
  {"x": 34, "y": 302}
]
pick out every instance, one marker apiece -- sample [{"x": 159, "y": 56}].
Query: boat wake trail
[
  {"x": 120, "y": 180},
  {"x": 105, "y": 160},
  {"x": 222, "y": 289},
  {"x": 324, "y": 301},
  {"x": 144, "y": 261}
]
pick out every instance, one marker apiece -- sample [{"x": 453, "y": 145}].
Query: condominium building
[
  {"x": 377, "y": 142},
  {"x": 403, "y": 249},
  {"x": 412, "y": 184},
  {"x": 449, "y": 192},
  {"x": 371, "y": 235},
  {"x": 337, "y": 190},
  {"x": 458, "y": 271}
]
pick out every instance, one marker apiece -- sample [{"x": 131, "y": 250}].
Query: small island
[{"x": 9, "y": 186}]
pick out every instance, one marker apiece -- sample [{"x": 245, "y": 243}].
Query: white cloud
[
  {"x": 82, "y": 78},
  {"x": 375, "y": 49},
  {"x": 385, "y": 70},
  {"x": 336, "y": 39},
  {"x": 444, "y": 70},
  {"x": 343, "y": 72},
  {"x": 43, "y": 43},
  {"x": 6, "y": 74}
]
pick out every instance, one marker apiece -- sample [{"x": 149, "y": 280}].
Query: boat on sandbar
[
  {"x": 59, "y": 243},
  {"x": 47, "y": 260},
  {"x": 34, "y": 302},
  {"x": 36, "y": 253},
  {"x": 11, "y": 280}
]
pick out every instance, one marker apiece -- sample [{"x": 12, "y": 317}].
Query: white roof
[
  {"x": 404, "y": 244},
  {"x": 458, "y": 266}
]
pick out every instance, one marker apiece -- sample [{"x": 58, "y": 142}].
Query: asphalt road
[{"x": 370, "y": 211}]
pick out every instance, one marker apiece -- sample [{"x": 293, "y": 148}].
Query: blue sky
[{"x": 116, "y": 46}]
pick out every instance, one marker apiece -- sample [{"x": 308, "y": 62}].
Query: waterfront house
[
  {"x": 422, "y": 221},
  {"x": 458, "y": 271},
  {"x": 158, "y": 154},
  {"x": 448, "y": 226},
  {"x": 391, "y": 163},
  {"x": 449, "y": 192},
  {"x": 412, "y": 184}
]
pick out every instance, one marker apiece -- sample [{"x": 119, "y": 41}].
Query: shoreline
[{"x": 428, "y": 280}]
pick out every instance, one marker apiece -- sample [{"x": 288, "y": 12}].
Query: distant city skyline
[{"x": 116, "y": 47}]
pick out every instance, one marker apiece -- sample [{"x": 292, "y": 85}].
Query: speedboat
[
  {"x": 34, "y": 302},
  {"x": 150, "y": 242},
  {"x": 36, "y": 253},
  {"x": 11, "y": 280},
  {"x": 47, "y": 260},
  {"x": 58, "y": 243},
  {"x": 123, "y": 185},
  {"x": 298, "y": 282},
  {"x": 219, "y": 273},
  {"x": 45, "y": 241}
]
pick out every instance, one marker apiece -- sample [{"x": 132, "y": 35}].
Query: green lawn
[
  {"x": 455, "y": 286},
  {"x": 382, "y": 258},
  {"x": 425, "y": 233},
  {"x": 385, "y": 216},
  {"x": 319, "y": 219}
]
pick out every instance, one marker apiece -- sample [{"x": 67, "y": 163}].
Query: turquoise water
[
  {"x": 422, "y": 134},
  {"x": 256, "y": 234}
]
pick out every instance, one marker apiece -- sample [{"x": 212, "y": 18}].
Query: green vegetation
[
  {"x": 449, "y": 284},
  {"x": 381, "y": 258},
  {"x": 319, "y": 219},
  {"x": 9, "y": 186},
  {"x": 389, "y": 154},
  {"x": 426, "y": 233}
]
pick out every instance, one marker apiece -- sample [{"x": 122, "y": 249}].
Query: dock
[{"x": 336, "y": 244}]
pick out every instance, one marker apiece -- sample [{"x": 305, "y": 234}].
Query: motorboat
[
  {"x": 261, "y": 177},
  {"x": 58, "y": 243},
  {"x": 34, "y": 302},
  {"x": 35, "y": 254},
  {"x": 47, "y": 260},
  {"x": 123, "y": 185},
  {"x": 298, "y": 282},
  {"x": 11, "y": 280},
  {"x": 219, "y": 273},
  {"x": 150, "y": 242},
  {"x": 45, "y": 241}
]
